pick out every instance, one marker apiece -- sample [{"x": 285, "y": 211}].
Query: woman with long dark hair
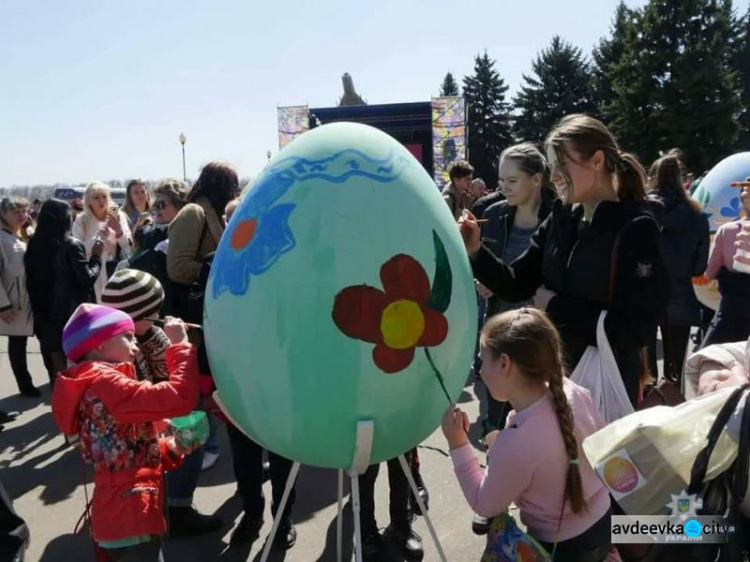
[
  {"x": 53, "y": 223},
  {"x": 75, "y": 274},
  {"x": 685, "y": 243},
  {"x": 196, "y": 230}
]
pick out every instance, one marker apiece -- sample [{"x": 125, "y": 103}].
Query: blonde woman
[
  {"x": 101, "y": 219},
  {"x": 16, "y": 320}
]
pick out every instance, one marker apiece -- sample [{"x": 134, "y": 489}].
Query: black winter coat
[
  {"x": 575, "y": 262},
  {"x": 685, "y": 243},
  {"x": 75, "y": 277},
  {"x": 39, "y": 262}
]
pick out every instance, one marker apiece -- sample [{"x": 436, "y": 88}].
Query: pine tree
[
  {"x": 560, "y": 85},
  {"x": 741, "y": 65},
  {"x": 611, "y": 52},
  {"x": 696, "y": 97},
  {"x": 672, "y": 83},
  {"x": 449, "y": 86},
  {"x": 488, "y": 118},
  {"x": 623, "y": 87}
]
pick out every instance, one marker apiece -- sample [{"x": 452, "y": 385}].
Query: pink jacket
[{"x": 528, "y": 465}]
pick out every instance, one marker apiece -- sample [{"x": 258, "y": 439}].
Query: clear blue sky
[{"x": 96, "y": 89}]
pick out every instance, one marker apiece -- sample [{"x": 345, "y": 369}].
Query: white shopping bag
[{"x": 598, "y": 373}]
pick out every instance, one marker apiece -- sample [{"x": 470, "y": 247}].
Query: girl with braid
[{"x": 536, "y": 462}]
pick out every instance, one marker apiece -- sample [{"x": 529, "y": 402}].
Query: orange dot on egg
[{"x": 243, "y": 234}]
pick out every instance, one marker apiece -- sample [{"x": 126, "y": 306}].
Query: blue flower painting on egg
[{"x": 259, "y": 233}]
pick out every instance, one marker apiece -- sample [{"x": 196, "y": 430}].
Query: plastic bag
[
  {"x": 597, "y": 372},
  {"x": 646, "y": 457}
]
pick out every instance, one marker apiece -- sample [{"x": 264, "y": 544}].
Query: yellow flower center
[{"x": 402, "y": 324}]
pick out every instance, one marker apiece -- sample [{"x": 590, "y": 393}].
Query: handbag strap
[
  {"x": 700, "y": 466},
  {"x": 613, "y": 267}
]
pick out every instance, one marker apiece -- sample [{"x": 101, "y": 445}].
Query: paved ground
[{"x": 43, "y": 476}]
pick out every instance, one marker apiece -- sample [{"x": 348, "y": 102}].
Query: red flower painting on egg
[{"x": 405, "y": 315}]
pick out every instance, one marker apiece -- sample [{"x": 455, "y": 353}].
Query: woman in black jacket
[
  {"x": 685, "y": 242},
  {"x": 73, "y": 274},
  {"x": 598, "y": 250},
  {"x": 53, "y": 221},
  {"x": 524, "y": 178}
]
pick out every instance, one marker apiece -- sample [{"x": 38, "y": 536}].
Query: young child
[
  {"x": 140, "y": 296},
  {"x": 537, "y": 460},
  {"x": 101, "y": 400}
]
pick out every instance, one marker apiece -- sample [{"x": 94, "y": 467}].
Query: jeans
[
  {"x": 247, "y": 458},
  {"x": 182, "y": 482},
  {"x": 212, "y": 445},
  {"x": 18, "y": 362},
  {"x": 399, "y": 497}
]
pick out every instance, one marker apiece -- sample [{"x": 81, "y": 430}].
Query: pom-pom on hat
[
  {"x": 90, "y": 326},
  {"x": 134, "y": 292}
]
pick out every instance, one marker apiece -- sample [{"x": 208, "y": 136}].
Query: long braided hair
[{"x": 531, "y": 341}]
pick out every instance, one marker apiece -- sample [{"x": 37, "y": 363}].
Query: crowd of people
[{"x": 572, "y": 230}]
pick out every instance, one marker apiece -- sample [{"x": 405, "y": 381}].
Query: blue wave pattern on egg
[{"x": 259, "y": 233}]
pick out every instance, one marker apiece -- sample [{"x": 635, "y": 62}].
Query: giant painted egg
[
  {"x": 340, "y": 293},
  {"x": 721, "y": 204}
]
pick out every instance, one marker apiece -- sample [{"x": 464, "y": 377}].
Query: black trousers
[
  {"x": 399, "y": 497},
  {"x": 18, "y": 362},
  {"x": 247, "y": 458}
]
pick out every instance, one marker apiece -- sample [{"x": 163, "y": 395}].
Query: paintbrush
[{"x": 160, "y": 323}]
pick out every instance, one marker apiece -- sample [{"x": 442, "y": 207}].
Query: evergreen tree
[
  {"x": 488, "y": 118},
  {"x": 610, "y": 53},
  {"x": 696, "y": 97},
  {"x": 623, "y": 83},
  {"x": 672, "y": 84},
  {"x": 449, "y": 86},
  {"x": 560, "y": 85},
  {"x": 741, "y": 65}
]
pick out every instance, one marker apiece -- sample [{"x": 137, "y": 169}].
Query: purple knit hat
[{"x": 90, "y": 326}]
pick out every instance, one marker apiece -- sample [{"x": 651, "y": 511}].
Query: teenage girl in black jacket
[{"x": 601, "y": 224}]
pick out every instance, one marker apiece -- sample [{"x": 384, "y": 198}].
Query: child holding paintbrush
[
  {"x": 140, "y": 295},
  {"x": 732, "y": 320}
]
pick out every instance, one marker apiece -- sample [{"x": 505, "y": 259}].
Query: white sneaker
[{"x": 209, "y": 459}]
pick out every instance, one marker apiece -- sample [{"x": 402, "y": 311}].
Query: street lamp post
[{"x": 183, "y": 138}]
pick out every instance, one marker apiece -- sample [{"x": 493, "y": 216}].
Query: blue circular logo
[{"x": 693, "y": 528}]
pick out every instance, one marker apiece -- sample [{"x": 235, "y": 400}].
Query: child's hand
[
  {"x": 455, "y": 427},
  {"x": 175, "y": 330},
  {"x": 180, "y": 450}
]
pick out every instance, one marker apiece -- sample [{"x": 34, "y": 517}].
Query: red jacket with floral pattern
[{"x": 114, "y": 415}]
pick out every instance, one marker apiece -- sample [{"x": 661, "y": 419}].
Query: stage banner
[
  {"x": 448, "y": 135},
  {"x": 293, "y": 121}
]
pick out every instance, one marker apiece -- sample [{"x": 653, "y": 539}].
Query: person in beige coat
[
  {"x": 16, "y": 320},
  {"x": 196, "y": 230},
  {"x": 101, "y": 219}
]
